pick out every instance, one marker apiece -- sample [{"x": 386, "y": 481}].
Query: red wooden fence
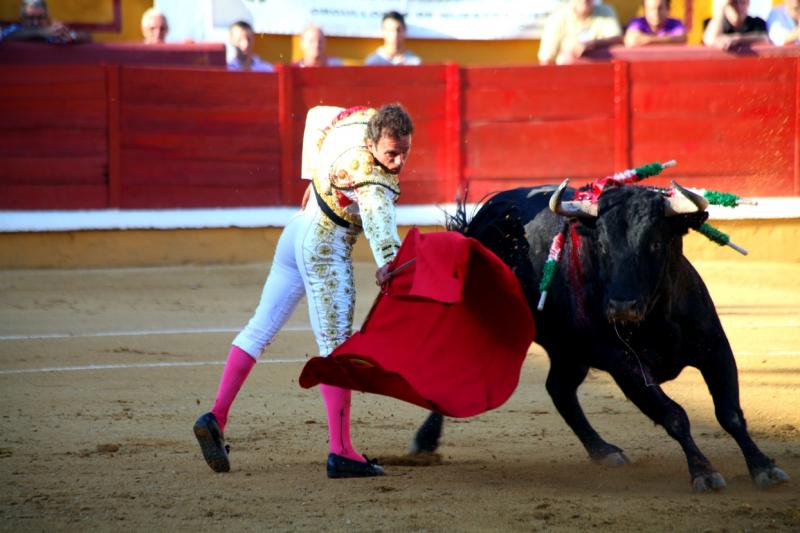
[
  {"x": 729, "y": 122},
  {"x": 146, "y": 137},
  {"x": 198, "y": 138},
  {"x": 54, "y": 130},
  {"x": 533, "y": 125}
]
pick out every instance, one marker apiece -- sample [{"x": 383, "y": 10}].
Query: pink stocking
[
  {"x": 237, "y": 368},
  {"x": 337, "y": 404}
]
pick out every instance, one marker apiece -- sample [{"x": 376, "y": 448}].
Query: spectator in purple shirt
[{"x": 655, "y": 27}]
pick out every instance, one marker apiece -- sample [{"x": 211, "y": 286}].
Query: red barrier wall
[
  {"x": 730, "y": 124},
  {"x": 192, "y": 138},
  {"x": 535, "y": 125},
  {"x": 146, "y": 137},
  {"x": 53, "y": 137}
]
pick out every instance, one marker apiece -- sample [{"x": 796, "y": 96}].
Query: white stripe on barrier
[
  {"x": 200, "y": 218},
  {"x": 135, "y": 365},
  {"x": 262, "y": 217}
]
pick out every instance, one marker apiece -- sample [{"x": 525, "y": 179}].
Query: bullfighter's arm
[{"x": 378, "y": 217}]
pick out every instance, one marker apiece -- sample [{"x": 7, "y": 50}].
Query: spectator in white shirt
[
  {"x": 783, "y": 23},
  {"x": 312, "y": 44},
  {"x": 393, "y": 51},
  {"x": 154, "y": 27}
]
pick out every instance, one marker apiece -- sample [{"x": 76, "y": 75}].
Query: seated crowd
[
  {"x": 578, "y": 29},
  {"x": 581, "y": 27}
]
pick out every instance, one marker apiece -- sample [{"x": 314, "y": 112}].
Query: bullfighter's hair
[{"x": 391, "y": 120}]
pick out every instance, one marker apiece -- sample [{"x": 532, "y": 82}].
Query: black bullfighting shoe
[
  {"x": 212, "y": 443},
  {"x": 339, "y": 467}
]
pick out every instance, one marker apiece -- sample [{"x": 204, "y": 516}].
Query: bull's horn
[
  {"x": 684, "y": 201},
  {"x": 571, "y": 209}
]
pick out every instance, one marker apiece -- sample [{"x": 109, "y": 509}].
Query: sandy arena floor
[{"x": 103, "y": 373}]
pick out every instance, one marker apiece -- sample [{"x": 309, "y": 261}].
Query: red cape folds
[{"x": 448, "y": 333}]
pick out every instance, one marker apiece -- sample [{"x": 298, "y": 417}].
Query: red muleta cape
[{"x": 449, "y": 332}]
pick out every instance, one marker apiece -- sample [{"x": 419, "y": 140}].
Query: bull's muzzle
[{"x": 624, "y": 311}]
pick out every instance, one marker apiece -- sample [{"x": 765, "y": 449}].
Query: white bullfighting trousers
[{"x": 313, "y": 257}]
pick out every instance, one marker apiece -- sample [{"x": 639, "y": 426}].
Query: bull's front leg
[
  {"x": 664, "y": 411},
  {"x": 722, "y": 379},
  {"x": 562, "y": 385}
]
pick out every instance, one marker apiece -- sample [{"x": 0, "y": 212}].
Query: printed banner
[{"x": 431, "y": 19}]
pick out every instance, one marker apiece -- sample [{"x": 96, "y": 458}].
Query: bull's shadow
[{"x": 625, "y": 300}]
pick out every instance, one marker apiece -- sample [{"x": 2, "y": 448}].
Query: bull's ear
[
  {"x": 571, "y": 209},
  {"x": 682, "y": 224}
]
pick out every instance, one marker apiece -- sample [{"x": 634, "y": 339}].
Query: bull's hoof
[
  {"x": 614, "y": 459},
  {"x": 770, "y": 477},
  {"x": 427, "y": 438},
  {"x": 707, "y": 482}
]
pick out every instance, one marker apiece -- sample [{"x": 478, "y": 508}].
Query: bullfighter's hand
[{"x": 382, "y": 275}]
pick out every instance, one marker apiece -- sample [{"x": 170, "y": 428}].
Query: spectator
[
  {"x": 393, "y": 51},
  {"x": 35, "y": 25},
  {"x": 154, "y": 26},
  {"x": 312, "y": 44},
  {"x": 783, "y": 23},
  {"x": 242, "y": 39},
  {"x": 655, "y": 27},
  {"x": 731, "y": 27},
  {"x": 576, "y": 29}
]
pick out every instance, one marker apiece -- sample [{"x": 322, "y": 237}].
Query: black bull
[{"x": 624, "y": 300}]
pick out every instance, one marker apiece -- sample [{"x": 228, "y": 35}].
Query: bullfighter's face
[{"x": 391, "y": 152}]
